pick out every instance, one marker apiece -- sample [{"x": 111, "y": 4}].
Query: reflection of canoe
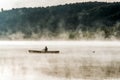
[{"x": 37, "y": 51}]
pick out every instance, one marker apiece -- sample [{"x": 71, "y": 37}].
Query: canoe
[{"x": 37, "y": 51}]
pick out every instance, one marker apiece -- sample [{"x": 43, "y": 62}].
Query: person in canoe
[{"x": 46, "y": 49}]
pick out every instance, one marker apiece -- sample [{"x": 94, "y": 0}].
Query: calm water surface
[{"x": 16, "y": 63}]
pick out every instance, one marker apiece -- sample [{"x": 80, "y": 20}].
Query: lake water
[{"x": 77, "y": 60}]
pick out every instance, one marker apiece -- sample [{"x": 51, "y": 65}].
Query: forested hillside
[{"x": 78, "y": 21}]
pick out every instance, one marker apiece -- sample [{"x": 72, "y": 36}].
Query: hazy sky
[{"x": 8, "y": 4}]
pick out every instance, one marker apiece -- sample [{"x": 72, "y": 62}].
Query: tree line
[{"x": 86, "y": 20}]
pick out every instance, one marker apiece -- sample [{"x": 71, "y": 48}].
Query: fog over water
[
  {"x": 87, "y": 40},
  {"x": 77, "y": 60}
]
